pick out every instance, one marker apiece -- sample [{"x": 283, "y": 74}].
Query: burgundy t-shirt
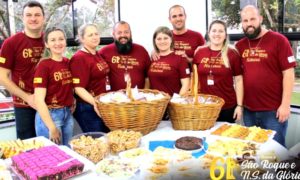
[
  {"x": 189, "y": 41},
  {"x": 208, "y": 60},
  {"x": 20, "y": 54},
  {"x": 165, "y": 73},
  {"x": 57, "y": 79},
  {"x": 263, "y": 70},
  {"x": 90, "y": 72},
  {"x": 137, "y": 63}
]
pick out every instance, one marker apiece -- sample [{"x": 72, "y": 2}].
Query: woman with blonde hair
[
  {"x": 53, "y": 90},
  {"x": 90, "y": 78},
  {"x": 220, "y": 71}
]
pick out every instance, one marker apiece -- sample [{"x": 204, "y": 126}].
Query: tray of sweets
[{"x": 253, "y": 133}]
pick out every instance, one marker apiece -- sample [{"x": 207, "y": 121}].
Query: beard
[
  {"x": 255, "y": 33},
  {"x": 124, "y": 48}
]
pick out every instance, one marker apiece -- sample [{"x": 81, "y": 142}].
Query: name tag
[{"x": 187, "y": 71}]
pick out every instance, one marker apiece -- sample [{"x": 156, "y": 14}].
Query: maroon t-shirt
[
  {"x": 263, "y": 70},
  {"x": 57, "y": 79},
  {"x": 137, "y": 63},
  {"x": 20, "y": 54},
  {"x": 208, "y": 60},
  {"x": 89, "y": 72},
  {"x": 189, "y": 41},
  {"x": 165, "y": 73}
]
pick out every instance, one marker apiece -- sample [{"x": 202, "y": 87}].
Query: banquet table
[{"x": 165, "y": 131}]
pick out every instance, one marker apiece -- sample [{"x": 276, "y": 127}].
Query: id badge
[
  {"x": 126, "y": 76},
  {"x": 210, "y": 80},
  {"x": 107, "y": 87}
]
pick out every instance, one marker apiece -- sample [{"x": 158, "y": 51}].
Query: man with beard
[
  {"x": 186, "y": 41},
  {"x": 268, "y": 63},
  {"x": 126, "y": 59}
]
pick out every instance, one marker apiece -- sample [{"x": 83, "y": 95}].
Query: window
[
  {"x": 292, "y": 16},
  {"x": 4, "y": 25},
  {"x": 68, "y": 14},
  {"x": 287, "y": 22}
]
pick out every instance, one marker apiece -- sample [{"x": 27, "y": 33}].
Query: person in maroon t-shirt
[
  {"x": 126, "y": 59},
  {"x": 170, "y": 73},
  {"x": 90, "y": 79},
  {"x": 268, "y": 63},
  {"x": 53, "y": 90},
  {"x": 219, "y": 68},
  {"x": 186, "y": 41},
  {"x": 18, "y": 57}
]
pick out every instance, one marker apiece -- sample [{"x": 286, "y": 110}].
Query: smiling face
[
  {"x": 33, "y": 19},
  {"x": 122, "y": 33},
  {"x": 217, "y": 34},
  {"x": 177, "y": 18},
  {"x": 251, "y": 22},
  {"x": 90, "y": 37},
  {"x": 163, "y": 42},
  {"x": 56, "y": 43}
]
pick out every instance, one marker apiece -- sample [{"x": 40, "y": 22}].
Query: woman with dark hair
[
  {"x": 220, "y": 71},
  {"x": 53, "y": 90}
]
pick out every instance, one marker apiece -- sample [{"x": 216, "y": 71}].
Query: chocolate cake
[
  {"x": 189, "y": 143},
  {"x": 48, "y": 162}
]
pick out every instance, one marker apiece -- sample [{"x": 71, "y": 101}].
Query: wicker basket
[
  {"x": 196, "y": 116},
  {"x": 136, "y": 115}
]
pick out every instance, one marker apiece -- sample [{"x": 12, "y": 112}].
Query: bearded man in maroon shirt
[
  {"x": 268, "y": 77},
  {"x": 126, "y": 59}
]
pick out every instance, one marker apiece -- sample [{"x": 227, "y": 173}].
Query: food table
[{"x": 165, "y": 132}]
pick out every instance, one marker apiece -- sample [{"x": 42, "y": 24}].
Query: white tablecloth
[{"x": 165, "y": 132}]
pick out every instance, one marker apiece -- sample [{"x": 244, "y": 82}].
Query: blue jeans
[
  {"x": 63, "y": 120},
  {"x": 25, "y": 122},
  {"x": 88, "y": 119},
  {"x": 266, "y": 120}
]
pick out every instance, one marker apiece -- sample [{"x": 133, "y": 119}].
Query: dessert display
[
  {"x": 232, "y": 147},
  {"x": 94, "y": 149},
  {"x": 133, "y": 95},
  {"x": 253, "y": 133},
  {"x": 135, "y": 154},
  {"x": 176, "y": 98},
  {"x": 14, "y": 147},
  {"x": 121, "y": 140},
  {"x": 116, "y": 168},
  {"x": 189, "y": 143},
  {"x": 48, "y": 162}
]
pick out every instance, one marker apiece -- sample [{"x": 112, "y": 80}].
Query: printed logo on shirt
[
  {"x": 115, "y": 59},
  {"x": 291, "y": 59},
  {"x": 255, "y": 55},
  {"x": 182, "y": 45},
  {"x": 37, "y": 80},
  {"x": 2, "y": 60},
  {"x": 76, "y": 80}
]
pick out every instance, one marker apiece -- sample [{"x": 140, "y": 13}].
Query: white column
[{"x": 11, "y": 18}]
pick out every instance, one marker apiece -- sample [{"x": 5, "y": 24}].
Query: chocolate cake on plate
[{"x": 189, "y": 143}]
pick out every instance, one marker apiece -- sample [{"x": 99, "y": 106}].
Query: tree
[{"x": 59, "y": 12}]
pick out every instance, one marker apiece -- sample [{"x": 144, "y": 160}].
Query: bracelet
[{"x": 240, "y": 106}]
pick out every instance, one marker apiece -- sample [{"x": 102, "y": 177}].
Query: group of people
[{"x": 255, "y": 78}]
